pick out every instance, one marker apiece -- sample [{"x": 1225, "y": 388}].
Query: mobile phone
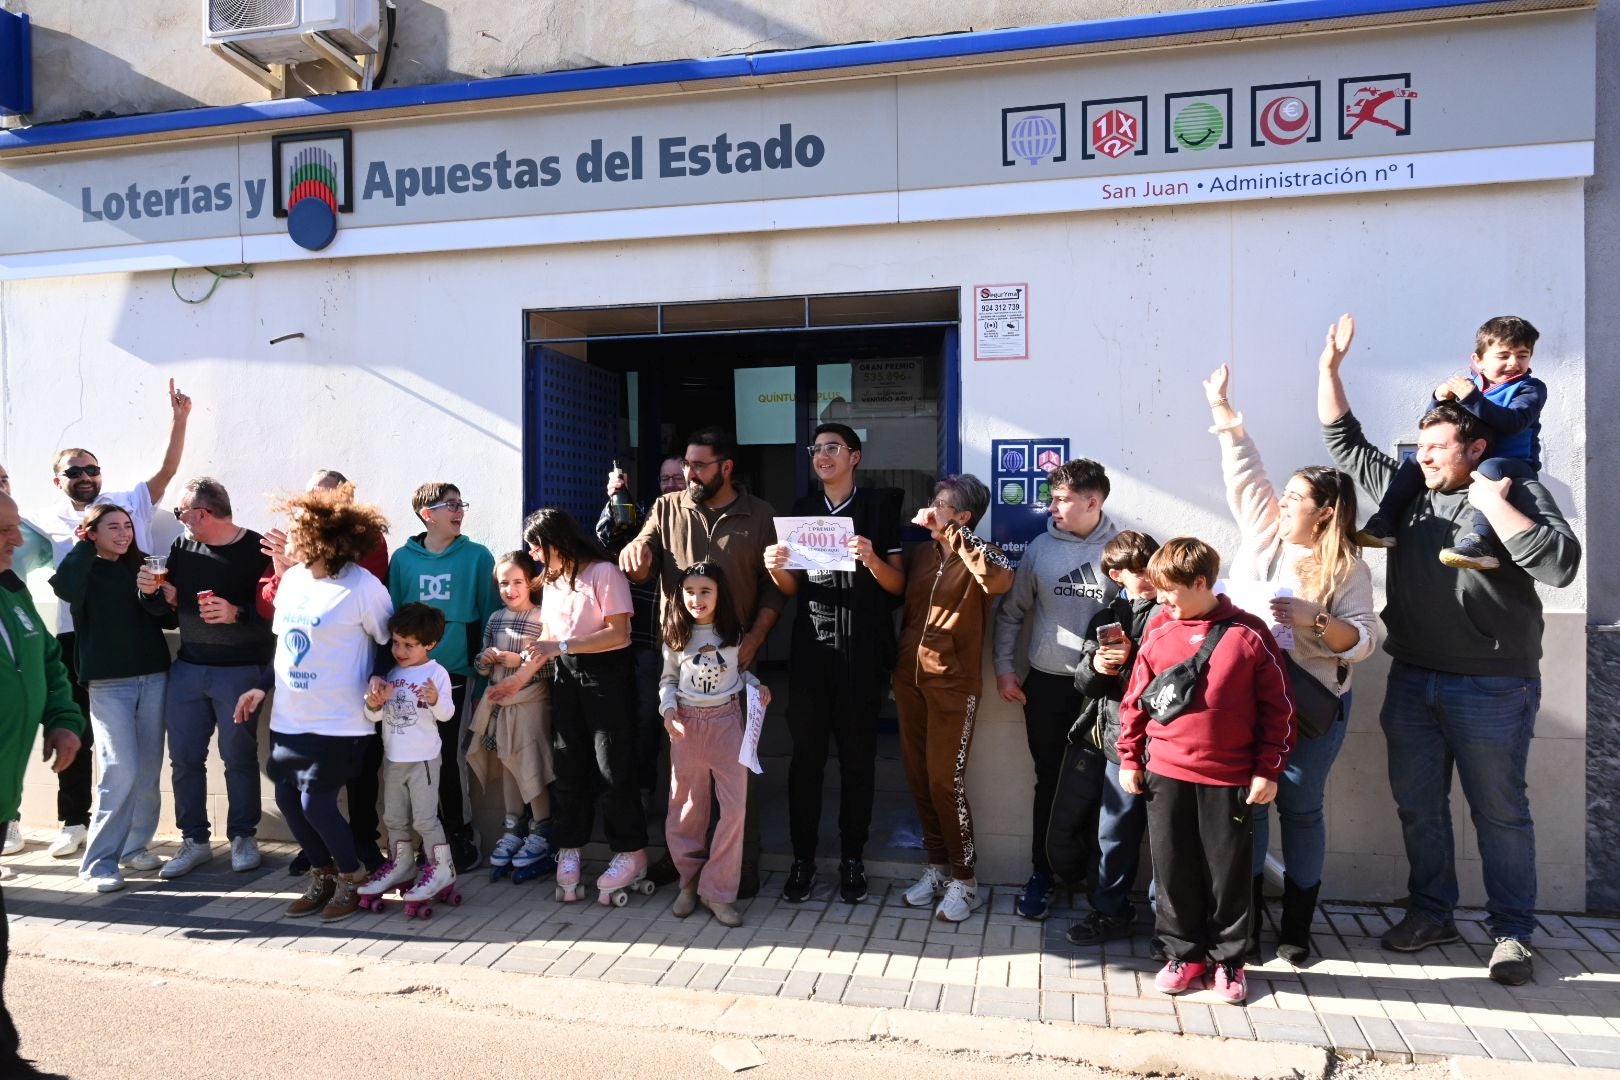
[{"x": 1111, "y": 634}]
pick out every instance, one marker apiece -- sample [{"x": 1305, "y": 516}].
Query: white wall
[{"x": 410, "y": 369}]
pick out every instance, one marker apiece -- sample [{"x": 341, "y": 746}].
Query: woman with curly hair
[{"x": 331, "y": 614}]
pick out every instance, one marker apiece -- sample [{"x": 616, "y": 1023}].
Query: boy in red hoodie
[{"x": 1207, "y": 765}]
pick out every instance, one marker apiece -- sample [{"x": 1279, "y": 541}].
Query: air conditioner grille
[{"x": 228, "y": 15}]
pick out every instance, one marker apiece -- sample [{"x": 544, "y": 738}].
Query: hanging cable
[{"x": 219, "y": 276}]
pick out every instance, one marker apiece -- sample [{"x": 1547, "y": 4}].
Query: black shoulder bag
[
  {"x": 1316, "y": 707},
  {"x": 1168, "y": 695}
]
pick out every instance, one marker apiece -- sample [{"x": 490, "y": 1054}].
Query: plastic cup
[{"x": 159, "y": 567}]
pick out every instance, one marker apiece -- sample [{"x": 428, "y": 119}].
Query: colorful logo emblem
[
  {"x": 1198, "y": 126},
  {"x": 1114, "y": 133},
  {"x": 1031, "y": 134},
  {"x": 1114, "y": 127},
  {"x": 1012, "y": 493},
  {"x": 1047, "y": 460},
  {"x": 314, "y": 183},
  {"x": 297, "y": 643},
  {"x": 1376, "y": 103},
  {"x": 1285, "y": 113},
  {"x": 1012, "y": 460}
]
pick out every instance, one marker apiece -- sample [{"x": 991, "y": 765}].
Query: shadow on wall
[{"x": 121, "y": 90}]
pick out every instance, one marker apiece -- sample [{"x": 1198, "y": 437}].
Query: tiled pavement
[{"x": 1354, "y": 997}]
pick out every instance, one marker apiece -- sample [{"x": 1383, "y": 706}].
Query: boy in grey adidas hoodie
[{"x": 1060, "y": 584}]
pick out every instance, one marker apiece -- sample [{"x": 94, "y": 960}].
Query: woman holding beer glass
[{"x": 124, "y": 662}]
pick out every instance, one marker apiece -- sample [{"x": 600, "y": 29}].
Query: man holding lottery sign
[{"x": 843, "y": 651}]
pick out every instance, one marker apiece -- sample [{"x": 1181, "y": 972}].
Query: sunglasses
[{"x": 76, "y": 471}]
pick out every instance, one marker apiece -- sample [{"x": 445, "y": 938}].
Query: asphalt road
[{"x": 93, "y": 1023}]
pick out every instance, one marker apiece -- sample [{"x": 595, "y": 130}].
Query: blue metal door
[{"x": 573, "y": 433}]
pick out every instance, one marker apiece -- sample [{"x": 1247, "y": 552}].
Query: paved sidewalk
[{"x": 1354, "y": 998}]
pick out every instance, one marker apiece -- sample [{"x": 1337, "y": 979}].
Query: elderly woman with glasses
[{"x": 949, "y": 584}]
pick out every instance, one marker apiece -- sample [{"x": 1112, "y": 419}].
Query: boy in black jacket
[{"x": 1100, "y": 676}]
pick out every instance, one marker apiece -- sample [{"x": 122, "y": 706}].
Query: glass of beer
[{"x": 158, "y": 565}]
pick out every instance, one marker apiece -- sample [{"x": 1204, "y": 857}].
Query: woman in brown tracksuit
[{"x": 937, "y": 682}]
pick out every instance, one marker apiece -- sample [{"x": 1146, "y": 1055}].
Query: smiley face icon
[{"x": 1198, "y": 126}]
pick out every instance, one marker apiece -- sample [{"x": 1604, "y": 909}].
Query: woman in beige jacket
[{"x": 1301, "y": 541}]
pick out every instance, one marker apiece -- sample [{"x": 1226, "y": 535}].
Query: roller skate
[
  {"x": 437, "y": 883},
  {"x": 627, "y": 872},
  {"x": 395, "y": 873},
  {"x": 500, "y": 860},
  {"x": 569, "y": 887},
  {"x": 536, "y": 858}
]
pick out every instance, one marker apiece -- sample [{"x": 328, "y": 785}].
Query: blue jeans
[
  {"x": 127, "y": 715},
  {"x": 1299, "y": 805},
  {"x": 1481, "y": 724},
  {"x": 201, "y": 698},
  {"x": 1121, "y": 821}
]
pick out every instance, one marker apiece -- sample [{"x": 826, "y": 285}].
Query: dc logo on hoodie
[
  {"x": 433, "y": 586},
  {"x": 1082, "y": 581}
]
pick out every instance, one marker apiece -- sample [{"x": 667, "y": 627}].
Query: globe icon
[{"x": 1033, "y": 137}]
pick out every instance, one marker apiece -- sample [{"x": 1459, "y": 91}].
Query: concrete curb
[
  {"x": 1470, "y": 1068},
  {"x": 705, "y": 1012}
]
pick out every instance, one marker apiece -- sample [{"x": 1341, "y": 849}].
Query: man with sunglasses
[
  {"x": 78, "y": 478},
  {"x": 714, "y": 520},
  {"x": 843, "y": 653}
]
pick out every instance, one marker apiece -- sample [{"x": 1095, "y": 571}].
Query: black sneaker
[
  {"x": 1097, "y": 928},
  {"x": 464, "y": 852},
  {"x": 852, "y": 881},
  {"x": 1510, "y": 962},
  {"x": 1035, "y": 902},
  {"x": 1377, "y": 533},
  {"x": 801, "y": 879},
  {"x": 1470, "y": 553},
  {"x": 1417, "y": 932},
  {"x": 299, "y": 867},
  {"x": 663, "y": 872},
  {"x": 748, "y": 883}
]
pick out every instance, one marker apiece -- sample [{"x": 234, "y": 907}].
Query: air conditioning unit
[{"x": 292, "y": 31}]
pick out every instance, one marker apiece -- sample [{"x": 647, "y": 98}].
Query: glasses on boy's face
[
  {"x": 828, "y": 449},
  {"x": 76, "y": 471},
  {"x": 453, "y": 505}
]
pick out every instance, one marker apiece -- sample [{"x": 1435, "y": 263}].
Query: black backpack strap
[{"x": 1213, "y": 638}]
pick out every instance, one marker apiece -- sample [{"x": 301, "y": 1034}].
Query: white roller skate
[
  {"x": 395, "y": 873},
  {"x": 569, "y": 887},
  {"x": 437, "y": 883},
  {"x": 627, "y": 872},
  {"x": 500, "y": 860},
  {"x": 535, "y": 859}
]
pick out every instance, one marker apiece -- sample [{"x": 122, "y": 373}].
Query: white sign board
[
  {"x": 1001, "y": 322},
  {"x": 1255, "y": 597},
  {"x": 817, "y": 543},
  {"x": 754, "y": 723}
]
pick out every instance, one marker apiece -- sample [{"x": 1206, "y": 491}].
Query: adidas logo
[{"x": 1082, "y": 581}]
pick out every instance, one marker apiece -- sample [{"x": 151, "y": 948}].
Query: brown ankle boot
[
  {"x": 345, "y": 895},
  {"x": 316, "y": 896}
]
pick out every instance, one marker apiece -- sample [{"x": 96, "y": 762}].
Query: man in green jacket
[{"x": 34, "y": 691}]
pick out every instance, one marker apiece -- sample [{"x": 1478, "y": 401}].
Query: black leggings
[
  {"x": 75, "y": 784},
  {"x": 593, "y": 736}
]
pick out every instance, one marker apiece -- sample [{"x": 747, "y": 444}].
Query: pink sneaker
[
  {"x": 569, "y": 887},
  {"x": 1179, "y": 976},
  {"x": 628, "y": 870},
  {"x": 1231, "y": 984}
]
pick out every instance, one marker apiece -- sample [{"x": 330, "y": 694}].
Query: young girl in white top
[
  {"x": 511, "y": 728},
  {"x": 700, "y": 696}
]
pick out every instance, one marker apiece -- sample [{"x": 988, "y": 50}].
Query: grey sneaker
[
  {"x": 14, "y": 838},
  {"x": 192, "y": 854},
  {"x": 245, "y": 854},
  {"x": 1419, "y": 932},
  {"x": 141, "y": 860},
  {"x": 1511, "y": 962}
]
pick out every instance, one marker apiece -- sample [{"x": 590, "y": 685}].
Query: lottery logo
[
  {"x": 1012, "y": 460},
  {"x": 1285, "y": 120},
  {"x": 1199, "y": 126},
  {"x": 1115, "y": 133},
  {"x": 297, "y": 643}
]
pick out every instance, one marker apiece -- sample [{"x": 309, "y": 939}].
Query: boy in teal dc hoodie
[{"x": 444, "y": 569}]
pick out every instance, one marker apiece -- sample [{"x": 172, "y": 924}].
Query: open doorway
[{"x": 629, "y": 383}]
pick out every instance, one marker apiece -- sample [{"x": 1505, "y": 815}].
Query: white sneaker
[
  {"x": 14, "y": 840},
  {"x": 107, "y": 882},
  {"x": 141, "y": 860},
  {"x": 928, "y": 887},
  {"x": 192, "y": 854},
  {"x": 245, "y": 854},
  {"x": 68, "y": 842},
  {"x": 961, "y": 897}
]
